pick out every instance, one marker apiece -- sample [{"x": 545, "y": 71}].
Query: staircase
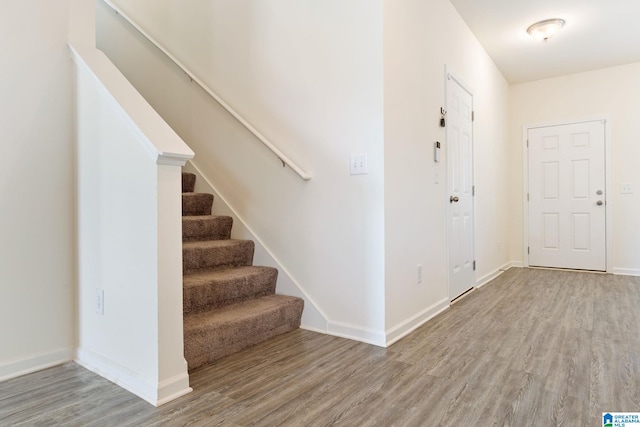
[{"x": 229, "y": 304}]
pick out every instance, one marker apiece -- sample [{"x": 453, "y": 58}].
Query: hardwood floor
[{"x": 531, "y": 348}]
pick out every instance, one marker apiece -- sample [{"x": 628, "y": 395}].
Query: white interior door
[
  {"x": 567, "y": 215},
  {"x": 460, "y": 186}
]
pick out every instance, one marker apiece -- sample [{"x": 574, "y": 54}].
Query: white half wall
[
  {"x": 611, "y": 92},
  {"x": 420, "y": 39},
  {"x": 37, "y": 251},
  {"x": 129, "y": 235}
]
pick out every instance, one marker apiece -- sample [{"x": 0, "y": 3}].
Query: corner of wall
[{"x": 403, "y": 329}]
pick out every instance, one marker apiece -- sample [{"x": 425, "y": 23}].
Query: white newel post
[{"x": 174, "y": 380}]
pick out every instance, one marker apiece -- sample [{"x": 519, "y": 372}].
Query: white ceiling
[{"x": 597, "y": 34}]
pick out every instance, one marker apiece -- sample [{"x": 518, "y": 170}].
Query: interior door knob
[
  {"x": 453, "y": 199},
  {"x": 599, "y": 203}
]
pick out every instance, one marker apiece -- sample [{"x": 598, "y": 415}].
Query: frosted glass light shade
[{"x": 546, "y": 29}]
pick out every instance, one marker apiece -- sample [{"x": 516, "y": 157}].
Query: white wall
[
  {"x": 308, "y": 75},
  {"x": 419, "y": 39},
  {"x": 613, "y": 92},
  {"x": 82, "y": 22},
  {"x": 37, "y": 283}
]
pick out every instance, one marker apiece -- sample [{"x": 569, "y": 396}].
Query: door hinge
[
  {"x": 527, "y": 197},
  {"x": 527, "y": 143},
  {"x": 474, "y": 265},
  {"x": 473, "y": 116},
  {"x": 528, "y": 250},
  {"x": 473, "y": 190}
]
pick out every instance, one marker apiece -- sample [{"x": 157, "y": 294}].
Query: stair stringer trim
[{"x": 313, "y": 318}]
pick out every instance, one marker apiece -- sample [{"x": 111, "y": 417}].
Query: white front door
[
  {"x": 460, "y": 185},
  {"x": 567, "y": 215}
]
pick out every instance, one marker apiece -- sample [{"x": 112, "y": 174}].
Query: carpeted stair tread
[
  {"x": 206, "y": 227},
  {"x": 213, "y": 334},
  {"x": 228, "y": 303},
  {"x": 216, "y": 254},
  {"x": 196, "y": 204},
  {"x": 188, "y": 182},
  {"x": 214, "y": 289}
]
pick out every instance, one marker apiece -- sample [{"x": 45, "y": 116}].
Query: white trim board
[
  {"x": 497, "y": 272},
  {"x": 408, "y": 326},
  {"x": 625, "y": 271},
  {"x": 490, "y": 276},
  {"x": 35, "y": 363},
  {"x": 154, "y": 392},
  {"x": 356, "y": 333}
]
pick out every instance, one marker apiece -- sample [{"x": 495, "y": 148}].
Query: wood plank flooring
[{"x": 531, "y": 348}]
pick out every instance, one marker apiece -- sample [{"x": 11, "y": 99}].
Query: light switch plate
[{"x": 626, "y": 188}]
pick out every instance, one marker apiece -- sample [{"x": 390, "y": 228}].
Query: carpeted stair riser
[
  {"x": 215, "y": 289},
  {"x": 238, "y": 326},
  {"x": 216, "y": 254},
  {"x": 188, "y": 182},
  {"x": 229, "y": 304},
  {"x": 196, "y": 204},
  {"x": 206, "y": 227}
]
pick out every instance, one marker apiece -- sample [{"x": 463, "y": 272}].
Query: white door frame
[
  {"x": 450, "y": 75},
  {"x": 607, "y": 165}
]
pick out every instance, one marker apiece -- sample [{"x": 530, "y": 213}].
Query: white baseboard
[
  {"x": 173, "y": 388},
  {"x": 34, "y": 363},
  {"x": 626, "y": 271},
  {"x": 405, "y": 328},
  {"x": 350, "y": 332},
  {"x": 356, "y": 333},
  {"x": 156, "y": 393},
  {"x": 378, "y": 338},
  {"x": 313, "y": 329},
  {"x": 489, "y": 277}
]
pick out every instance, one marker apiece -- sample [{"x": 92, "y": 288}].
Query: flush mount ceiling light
[{"x": 546, "y": 29}]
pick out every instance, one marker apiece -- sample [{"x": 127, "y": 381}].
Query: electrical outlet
[
  {"x": 419, "y": 273},
  {"x": 100, "y": 302},
  {"x": 358, "y": 164}
]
